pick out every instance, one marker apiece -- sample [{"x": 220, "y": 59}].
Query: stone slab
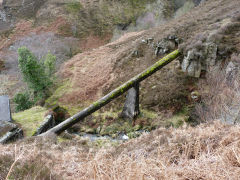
[{"x": 5, "y": 111}]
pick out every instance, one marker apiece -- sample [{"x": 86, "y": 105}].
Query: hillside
[
  {"x": 188, "y": 127},
  {"x": 58, "y": 34}
]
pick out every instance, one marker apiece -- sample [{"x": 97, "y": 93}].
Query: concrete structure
[{"x": 5, "y": 111}]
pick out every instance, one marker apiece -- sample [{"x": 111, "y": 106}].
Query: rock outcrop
[
  {"x": 48, "y": 123},
  {"x": 212, "y": 46},
  {"x": 25, "y": 8},
  {"x": 197, "y": 60},
  {"x": 55, "y": 116}
]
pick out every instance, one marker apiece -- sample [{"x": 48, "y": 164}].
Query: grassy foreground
[
  {"x": 30, "y": 119},
  {"x": 209, "y": 151}
]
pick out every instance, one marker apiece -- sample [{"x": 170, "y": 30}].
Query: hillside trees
[{"x": 37, "y": 74}]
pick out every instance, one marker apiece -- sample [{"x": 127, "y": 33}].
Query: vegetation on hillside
[
  {"x": 38, "y": 76},
  {"x": 188, "y": 127}
]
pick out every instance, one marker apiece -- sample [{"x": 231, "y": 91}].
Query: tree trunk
[{"x": 114, "y": 94}]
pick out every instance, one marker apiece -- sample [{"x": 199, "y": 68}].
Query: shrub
[
  {"x": 34, "y": 72},
  {"x": 50, "y": 64},
  {"x": 1, "y": 65},
  {"x": 220, "y": 94},
  {"x": 23, "y": 101},
  {"x": 74, "y": 7}
]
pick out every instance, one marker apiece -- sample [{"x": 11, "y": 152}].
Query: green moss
[
  {"x": 161, "y": 63},
  {"x": 30, "y": 119},
  {"x": 74, "y": 7},
  {"x": 133, "y": 134},
  {"x": 104, "y": 143},
  {"x": 60, "y": 91},
  {"x": 102, "y": 18},
  {"x": 118, "y": 126},
  {"x": 148, "y": 114},
  {"x": 72, "y": 110},
  {"x": 178, "y": 119},
  {"x": 106, "y": 114},
  {"x": 61, "y": 139},
  {"x": 175, "y": 121}
]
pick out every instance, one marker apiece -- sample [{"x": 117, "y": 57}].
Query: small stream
[
  {"x": 120, "y": 136},
  {"x": 3, "y": 16}
]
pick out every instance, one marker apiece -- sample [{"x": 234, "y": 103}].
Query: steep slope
[
  {"x": 93, "y": 73},
  {"x": 68, "y": 27},
  {"x": 209, "y": 39}
]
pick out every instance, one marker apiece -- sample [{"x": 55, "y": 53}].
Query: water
[
  {"x": 120, "y": 137},
  {"x": 3, "y": 16}
]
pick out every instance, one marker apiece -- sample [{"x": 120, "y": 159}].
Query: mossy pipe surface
[{"x": 114, "y": 94}]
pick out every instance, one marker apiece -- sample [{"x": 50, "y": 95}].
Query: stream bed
[{"x": 120, "y": 137}]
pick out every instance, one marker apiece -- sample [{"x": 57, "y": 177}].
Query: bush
[
  {"x": 74, "y": 7},
  {"x": 23, "y": 101},
  {"x": 50, "y": 64},
  {"x": 220, "y": 93},
  {"x": 38, "y": 76},
  {"x": 34, "y": 72}
]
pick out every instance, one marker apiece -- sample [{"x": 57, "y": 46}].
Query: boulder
[
  {"x": 52, "y": 118},
  {"x": 48, "y": 123},
  {"x": 166, "y": 45},
  {"x": 198, "y": 59},
  {"x": 9, "y": 132},
  {"x": 12, "y": 136},
  {"x": 191, "y": 64}
]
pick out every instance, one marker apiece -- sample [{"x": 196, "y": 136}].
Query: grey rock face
[
  {"x": 191, "y": 64},
  {"x": 197, "y": 2},
  {"x": 164, "y": 46},
  {"x": 5, "y": 112},
  {"x": 25, "y": 8},
  {"x": 197, "y": 60},
  {"x": 3, "y": 16}
]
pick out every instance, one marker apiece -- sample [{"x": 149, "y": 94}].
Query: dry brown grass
[
  {"x": 210, "y": 151},
  {"x": 1, "y": 65},
  {"x": 220, "y": 93},
  {"x": 92, "y": 74}
]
